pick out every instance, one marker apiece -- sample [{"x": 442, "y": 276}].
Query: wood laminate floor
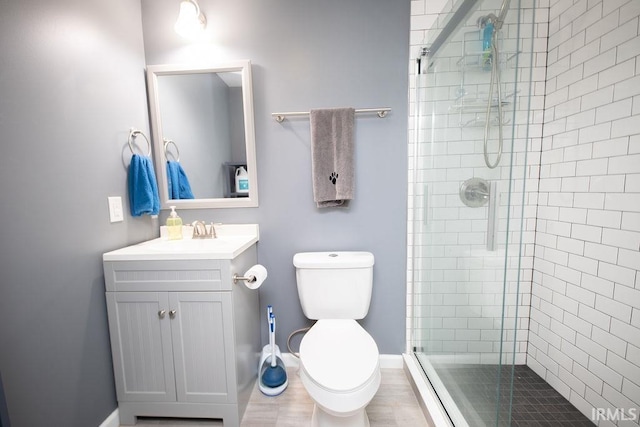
[{"x": 395, "y": 405}]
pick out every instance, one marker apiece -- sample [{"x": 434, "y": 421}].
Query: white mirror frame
[{"x": 244, "y": 66}]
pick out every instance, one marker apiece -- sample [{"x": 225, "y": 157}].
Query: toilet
[{"x": 339, "y": 360}]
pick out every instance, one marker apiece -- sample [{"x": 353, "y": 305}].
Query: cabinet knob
[
  {"x": 161, "y": 313},
  {"x": 172, "y": 314}
]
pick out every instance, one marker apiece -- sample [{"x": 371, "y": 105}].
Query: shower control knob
[{"x": 475, "y": 192}]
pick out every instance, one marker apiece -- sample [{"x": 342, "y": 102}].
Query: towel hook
[
  {"x": 166, "y": 146},
  {"x": 133, "y": 134}
]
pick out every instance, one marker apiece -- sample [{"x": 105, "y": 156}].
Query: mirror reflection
[{"x": 203, "y": 133}]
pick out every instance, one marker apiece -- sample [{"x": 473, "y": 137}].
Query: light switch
[{"x": 115, "y": 209}]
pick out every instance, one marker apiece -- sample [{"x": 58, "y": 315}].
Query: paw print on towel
[{"x": 333, "y": 178}]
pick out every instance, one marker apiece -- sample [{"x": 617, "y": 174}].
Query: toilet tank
[{"x": 334, "y": 285}]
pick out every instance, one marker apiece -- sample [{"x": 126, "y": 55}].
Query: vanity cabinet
[{"x": 184, "y": 338}]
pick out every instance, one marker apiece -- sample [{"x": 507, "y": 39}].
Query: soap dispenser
[{"x": 174, "y": 225}]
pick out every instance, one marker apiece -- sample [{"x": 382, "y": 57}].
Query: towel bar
[
  {"x": 382, "y": 113},
  {"x": 133, "y": 133}
]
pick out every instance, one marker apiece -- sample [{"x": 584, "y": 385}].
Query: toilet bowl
[{"x": 340, "y": 369}]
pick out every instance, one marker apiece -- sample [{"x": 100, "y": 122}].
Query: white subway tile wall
[
  {"x": 594, "y": 56},
  {"x": 579, "y": 308},
  {"x": 455, "y": 300}
]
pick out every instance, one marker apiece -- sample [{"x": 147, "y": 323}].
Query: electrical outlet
[{"x": 115, "y": 209}]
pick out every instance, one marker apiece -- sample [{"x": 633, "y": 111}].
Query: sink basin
[{"x": 232, "y": 240}]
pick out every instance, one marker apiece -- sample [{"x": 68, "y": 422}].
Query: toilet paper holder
[
  {"x": 253, "y": 278},
  {"x": 248, "y": 279}
]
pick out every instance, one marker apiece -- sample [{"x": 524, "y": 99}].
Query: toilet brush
[{"x": 274, "y": 375}]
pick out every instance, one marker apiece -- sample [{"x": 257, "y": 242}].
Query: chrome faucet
[{"x": 200, "y": 230}]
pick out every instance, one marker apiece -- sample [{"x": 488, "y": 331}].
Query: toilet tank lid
[{"x": 337, "y": 259}]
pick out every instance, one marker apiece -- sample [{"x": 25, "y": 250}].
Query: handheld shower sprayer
[{"x": 491, "y": 24}]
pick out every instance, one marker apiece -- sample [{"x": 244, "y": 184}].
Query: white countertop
[{"x": 233, "y": 239}]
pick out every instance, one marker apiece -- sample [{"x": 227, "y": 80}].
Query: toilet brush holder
[{"x": 264, "y": 364}]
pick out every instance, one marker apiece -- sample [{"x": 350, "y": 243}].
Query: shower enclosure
[{"x": 473, "y": 220}]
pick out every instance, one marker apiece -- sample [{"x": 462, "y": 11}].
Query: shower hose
[{"x": 495, "y": 81}]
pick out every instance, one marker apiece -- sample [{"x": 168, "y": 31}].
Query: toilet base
[{"x": 321, "y": 418}]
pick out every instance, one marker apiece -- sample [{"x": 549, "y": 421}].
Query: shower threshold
[{"x": 468, "y": 391}]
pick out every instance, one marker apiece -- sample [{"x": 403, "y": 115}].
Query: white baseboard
[
  {"x": 112, "y": 420},
  {"x": 387, "y": 361},
  {"x": 290, "y": 361},
  {"x": 391, "y": 361}
]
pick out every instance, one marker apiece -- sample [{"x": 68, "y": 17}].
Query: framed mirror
[{"x": 203, "y": 135}]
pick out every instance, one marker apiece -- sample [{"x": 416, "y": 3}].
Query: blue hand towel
[
  {"x": 143, "y": 188},
  {"x": 179, "y": 187}
]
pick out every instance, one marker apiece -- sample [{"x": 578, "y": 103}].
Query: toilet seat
[{"x": 339, "y": 356}]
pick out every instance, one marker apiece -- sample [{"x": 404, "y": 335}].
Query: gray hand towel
[{"x": 332, "y": 156}]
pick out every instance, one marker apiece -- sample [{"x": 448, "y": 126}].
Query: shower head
[{"x": 503, "y": 12}]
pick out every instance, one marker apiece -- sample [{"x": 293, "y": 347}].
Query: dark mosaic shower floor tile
[{"x": 535, "y": 403}]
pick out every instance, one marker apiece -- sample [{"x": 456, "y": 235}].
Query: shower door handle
[{"x": 492, "y": 220}]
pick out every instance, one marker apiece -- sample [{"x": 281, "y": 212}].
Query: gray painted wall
[
  {"x": 72, "y": 84},
  {"x": 312, "y": 55}
]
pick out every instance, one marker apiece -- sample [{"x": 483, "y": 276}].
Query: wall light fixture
[{"x": 191, "y": 21}]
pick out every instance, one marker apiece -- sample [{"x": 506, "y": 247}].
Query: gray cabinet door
[
  {"x": 140, "y": 330},
  {"x": 202, "y": 333}
]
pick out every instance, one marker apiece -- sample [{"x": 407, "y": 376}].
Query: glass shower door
[{"x": 470, "y": 313}]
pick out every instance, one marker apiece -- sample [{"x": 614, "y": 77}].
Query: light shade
[{"x": 191, "y": 22}]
